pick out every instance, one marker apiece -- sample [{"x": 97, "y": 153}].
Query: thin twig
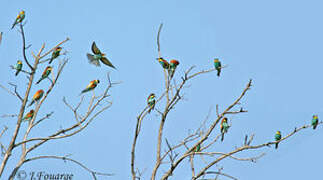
[
  {"x": 24, "y": 47},
  {"x": 158, "y": 44}
]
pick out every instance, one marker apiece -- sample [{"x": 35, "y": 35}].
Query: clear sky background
[{"x": 276, "y": 43}]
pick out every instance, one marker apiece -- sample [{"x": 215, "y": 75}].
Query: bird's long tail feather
[
  {"x": 50, "y": 60},
  {"x": 219, "y": 72},
  {"x": 39, "y": 80},
  {"x": 222, "y": 137},
  {"x": 31, "y": 103}
]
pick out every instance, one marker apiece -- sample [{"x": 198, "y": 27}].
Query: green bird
[
  {"x": 315, "y": 121},
  {"x": 91, "y": 86},
  {"x": 37, "y": 96},
  {"x": 19, "y": 19},
  {"x": 151, "y": 102},
  {"x": 45, "y": 74},
  {"x": 55, "y": 54},
  {"x": 28, "y": 116},
  {"x": 172, "y": 67},
  {"x": 198, "y": 148},
  {"x": 18, "y": 67},
  {"x": 278, "y": 137},
  {"x": 98, "y": 56},
  {"x": 163, "y": 63},
  {"x": 217, "y": 66},
  {"x": 224, "y": 126}
]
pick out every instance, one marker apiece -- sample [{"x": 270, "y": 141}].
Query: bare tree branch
[
  {"x": 158, "y": 44},
  {"x": 170, "y": 171},
  {"x": 246, "y": 147},
  {"x": 24, "y": 48},
  {"x": 220, "y": 173}
]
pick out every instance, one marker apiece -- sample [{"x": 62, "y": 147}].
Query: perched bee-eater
[
  {"x": 37, "y": 96},
  {"x": 278, "y": 137},
  {"x": 91, "y": 86},
  {"x": 28, "y": 116},
  {"x": 224, "y": 126},
  {"x": 45, "y": 74},
  {"x": 315, "y": 121},
  {"x": 172, "y": 67},
  {"x": 55, "y": 54},
  {"x": 151, "y": 102},
  {"x": 18, "y": 67},
  {"x": 98, "y": 56},
  {"x": 198, "y": 148},
  {"x": 19, "y": 19},
  {"x": 217, "y": 65},
  {"x": 163, "y": 62}
]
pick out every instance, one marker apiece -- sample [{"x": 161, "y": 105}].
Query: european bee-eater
[
  {"x": 28, "y": 116},
  {"x": 91, "y": 86},
  {"x": 98, "y": 56},
  {"x": 315, "y": 121},
  {"x": 19, "y": 19},
  {"x": 224, "y": 126},
  {"x": 217, "y": 66},
  {"x": 163, "y": 62},
  {"x": 172, "y": 67},
  {"x": 18, "y": 67},
  {"x": 56, "y": 52},
  {"x": 37, "y": 96},
  {"x": 278, "y": 137},
  {"x": 151, "y": 102},
  {"x": 45, "y": 74}
]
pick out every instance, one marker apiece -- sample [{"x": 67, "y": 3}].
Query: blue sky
[{"x": 276, "y": 43}]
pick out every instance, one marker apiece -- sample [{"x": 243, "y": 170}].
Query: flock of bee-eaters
[{"x": 95, "y": 59}]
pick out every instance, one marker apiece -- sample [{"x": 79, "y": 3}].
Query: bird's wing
[
  {"x": 92, "y": 60},
  {"x": 44, "y": 73},
  {"x": 91, "y": 85},
  {"x": 107, "y": 62},
  {"x": 148, "y": 99},
  {"x": 95, "y": 49}
]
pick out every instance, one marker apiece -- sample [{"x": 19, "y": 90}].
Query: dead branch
[
  {"x": 246, "y": 147},
  {"x": 170, "y": 171},
  {"x": 24, "y": 48}
]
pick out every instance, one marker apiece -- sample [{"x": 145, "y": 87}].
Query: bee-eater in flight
[{"x": 98, "y": 56}]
